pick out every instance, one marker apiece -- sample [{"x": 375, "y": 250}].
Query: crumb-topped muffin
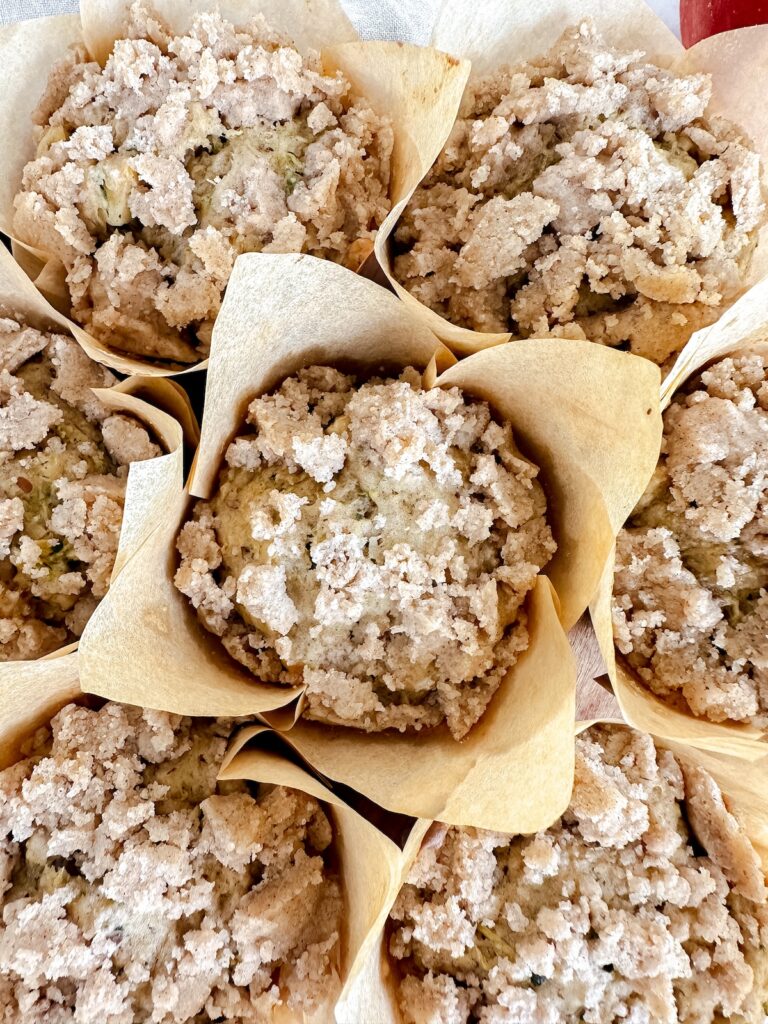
[
  {"x": 374, "y": 542},
  {"x": 154, "y": 172},
  {"x": 64, "y": 461},
  {"x": 586, "y": 193},
  {"x": 644, "y": 903},
  {"x": 690, "y": 593},
  {"x": 135, "y": 889}
]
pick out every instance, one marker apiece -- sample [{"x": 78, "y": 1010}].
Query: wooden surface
[{"x": 593, "y": 699}]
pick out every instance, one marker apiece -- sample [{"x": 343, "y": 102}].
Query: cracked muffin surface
[
  {"x": 586, "y": 193},
  {"x": 137, "y": 890},
  {"x": 374, "y": 542},
  {"x": 154, "y": 172},
  {"x": 690, "y": 595},
  {"x": 64, "y": 459},
  {"x": 645, "y": 902}
]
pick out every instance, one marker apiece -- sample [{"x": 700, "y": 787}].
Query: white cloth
[{"x": 409, "y": 20}]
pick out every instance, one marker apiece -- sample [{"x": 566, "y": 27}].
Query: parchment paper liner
[
  {"x": 160, "y": 404},
  {"x": 374, "y": 980},
  {"x": 417, "y": 87},
  {"x": 744, "y": 325},
  {"x": 492, "y": 33},
  {"x": 31, "y": 693},
  {"x": 371, "y": 864},
  {"x": 283, "y": 312}
]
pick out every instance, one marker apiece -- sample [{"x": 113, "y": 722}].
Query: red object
[{"x": 702, "y": 18}]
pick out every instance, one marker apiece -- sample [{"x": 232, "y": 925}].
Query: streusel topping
[
  {"x": 585, "y": 193},
  {"x": 614, "y": 913},
  {"x": 154, "y": 172},
  {"x": 374, "y": 542},
  {"x": 691, "y": 586},
  {"x": 64, "y": 460},
  {"x": 134, "y": 889}
]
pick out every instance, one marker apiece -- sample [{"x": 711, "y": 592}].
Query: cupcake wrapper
[
  {"x": 371, "y": 865},
  {"x": 419, "y": 88},
  {"x": 31, "y": 692},
  {"x": 285, "y": 312}
]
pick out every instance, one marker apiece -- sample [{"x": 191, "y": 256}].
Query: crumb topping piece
[
  {"x": 586, "y": 193},
  {"x": 136, "y": 889},
  {"x": 614, "y": 913},
  {"x": 374, "y": 542},
  {"x": 690, "y": 597},
  {"x": 154, "y": 172},
  {"x": 63, "y": 467}
]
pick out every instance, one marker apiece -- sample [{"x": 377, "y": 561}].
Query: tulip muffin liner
[
  {"x": 373, "y": 981},
  {"x": 495, "y": 33},
  {"x": 31, "y": 692},
  {"x": 418, "y": 88},
  {"x": 370, "y": 863},
  {"x": 743, "y": 326},
  {"x": 161, "y": 405},
  {"x": 596, "y": 444}
]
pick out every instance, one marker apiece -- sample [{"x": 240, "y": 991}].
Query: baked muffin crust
[
  {"x": 64, "y": 461},
  {"x": 136, "y": 890}
]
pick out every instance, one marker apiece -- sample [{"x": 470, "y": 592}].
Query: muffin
[
  {"x": 586, "y": 193},
  {"x": 372, "y": 541},
  {"x": 134, "y": 888},
  {"x": 690, "y": 596},
  {"x": 154, "y": 172},
  {"x": 64, "y": 461},
  {"x": 645, "y": 902}
]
